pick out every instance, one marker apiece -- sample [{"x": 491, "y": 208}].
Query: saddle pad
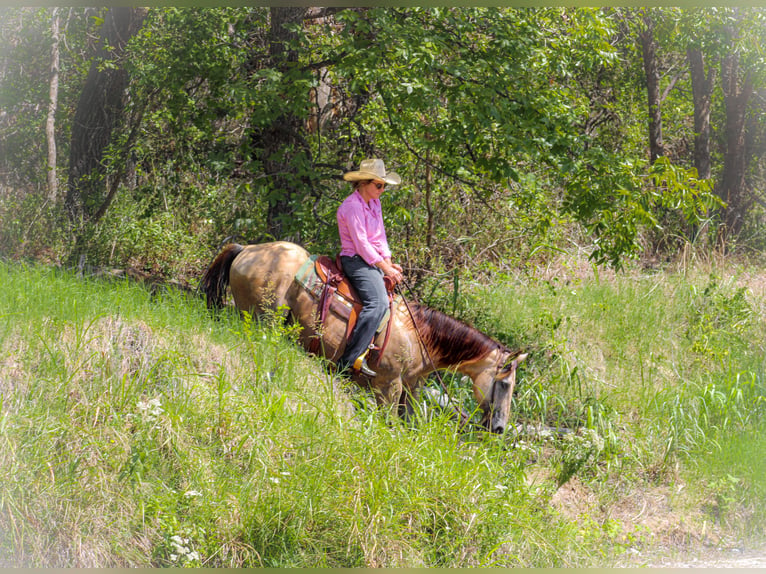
[{"x": 308, "y": 278}]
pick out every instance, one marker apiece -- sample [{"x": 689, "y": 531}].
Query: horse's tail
[{"x": 216, "y": 279}]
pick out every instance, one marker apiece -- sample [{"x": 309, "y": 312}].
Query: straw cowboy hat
[{"x": 373, "y": 169}]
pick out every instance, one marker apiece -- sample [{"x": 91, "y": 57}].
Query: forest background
[{"x": 148, "y": 136}]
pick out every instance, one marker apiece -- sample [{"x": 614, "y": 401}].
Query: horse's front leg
[
  {"x": 407, "y": 400},
  {"x": 388, "y": 393}
]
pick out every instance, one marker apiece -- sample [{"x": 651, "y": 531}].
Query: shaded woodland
[{"x": 146, "y": 137}]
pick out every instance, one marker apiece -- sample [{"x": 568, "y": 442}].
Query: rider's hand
[{"x": 393, "y": 271}]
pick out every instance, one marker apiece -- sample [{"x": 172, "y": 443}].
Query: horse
[{"x": 262, "y": 278}]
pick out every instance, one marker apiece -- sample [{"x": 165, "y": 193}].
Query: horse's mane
[{"x": 450, "y": 339}]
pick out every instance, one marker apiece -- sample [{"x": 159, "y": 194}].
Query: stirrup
[
  {"x": 364, "y": 368},
  {"x": 361, "y": 365}
]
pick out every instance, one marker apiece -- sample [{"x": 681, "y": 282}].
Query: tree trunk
[
  {"x": 755, "y": 147},
  {"x": 649, "y": 53},
  {"x": 281, "y": 142},
  {"x": 50, "y": 124},
  {"x": 731, "y": 188},
  {"x": 702, "y": 95},
  {"x": 98, "y": 112}
]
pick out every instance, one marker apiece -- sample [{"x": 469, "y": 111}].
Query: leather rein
[{"x": 459, "y": 411}]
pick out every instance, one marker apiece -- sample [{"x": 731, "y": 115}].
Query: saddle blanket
[{"x": 342, "y": 306}]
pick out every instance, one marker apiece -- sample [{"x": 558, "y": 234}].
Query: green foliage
[
  {"x": 427, "y": 108},
  {"x": 718, "y": 321},
  {"x": 23, "y": 97},
  {"x": 515, "y": 130},
  {"x": 25, "y": 43},
  {"x": 616, "y": 199},
  {"x": 26, "y": 222},
  {"x": 448, "y": 59}
]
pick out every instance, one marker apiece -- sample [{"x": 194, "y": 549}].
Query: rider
[{"x": 365, "y": 256}]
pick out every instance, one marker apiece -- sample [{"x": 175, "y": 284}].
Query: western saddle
[{"x": 336, "y": 292}]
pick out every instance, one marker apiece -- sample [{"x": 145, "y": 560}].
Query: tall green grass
[
  {"x": 667, "y": 369},
  {"x": 139, "y": 430}
]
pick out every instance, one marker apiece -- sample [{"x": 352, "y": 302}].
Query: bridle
[{"x": 499, "y": 367}]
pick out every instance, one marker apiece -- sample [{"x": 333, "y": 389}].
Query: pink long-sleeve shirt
[{"x": 361, "y": 229}]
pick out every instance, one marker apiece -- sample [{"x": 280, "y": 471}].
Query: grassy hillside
[{"x": 137, "y": 430}]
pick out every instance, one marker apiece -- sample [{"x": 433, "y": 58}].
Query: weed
[{"x": 718, "y": 320}]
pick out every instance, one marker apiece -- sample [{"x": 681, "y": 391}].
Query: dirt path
[{"x": 735, "y": 558}]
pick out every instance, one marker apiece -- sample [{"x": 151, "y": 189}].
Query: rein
[{"x": 464, "y": 418}]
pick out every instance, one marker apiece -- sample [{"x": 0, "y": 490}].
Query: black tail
[{"x": 216, "y": 279}]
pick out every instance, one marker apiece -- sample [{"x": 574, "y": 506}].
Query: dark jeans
[{"x": 368, "y": 282}]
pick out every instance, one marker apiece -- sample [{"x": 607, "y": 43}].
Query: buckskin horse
[{"x": 421, "y": 340}]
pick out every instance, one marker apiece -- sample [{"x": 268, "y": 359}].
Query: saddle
[{"x": 336, "y": 292}]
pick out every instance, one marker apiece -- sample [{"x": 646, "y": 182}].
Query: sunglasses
[{"x": 379, "y": 185}]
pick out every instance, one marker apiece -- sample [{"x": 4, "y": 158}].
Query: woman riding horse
[
  {"x": 366, "y": 257},
  {"x": 422, "y": 340}
]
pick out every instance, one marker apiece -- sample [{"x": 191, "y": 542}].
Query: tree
[
  {"x": 50, "y": 124},
  {"x": 651, "y": 71},
  {"x": 25, "y": 66},
  {"x": 98, "y": 113},
  {"x": 737, "y": 85},
  {"x": 728, "y": 41},
  {"x": 703, "y": 83},
  {"x": 282, "y": 147},
  {"x": 503, "y": 121}
]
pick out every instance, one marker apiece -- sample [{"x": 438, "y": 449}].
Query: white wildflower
[
  {"x": 182, "y": 552},
  {"x": 150, "y": 410}
]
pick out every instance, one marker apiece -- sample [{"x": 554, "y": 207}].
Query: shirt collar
[{"x": 371, "y": 205}]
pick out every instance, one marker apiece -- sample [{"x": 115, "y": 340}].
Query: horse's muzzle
[{"x": 493, "y": 423}]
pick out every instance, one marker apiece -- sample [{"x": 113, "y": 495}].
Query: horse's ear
[{"x": 511, "y": 365}]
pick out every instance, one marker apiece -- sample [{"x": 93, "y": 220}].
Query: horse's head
[
  {"x": 451, "y": 344},
  {"x": 493, "y": 389}
]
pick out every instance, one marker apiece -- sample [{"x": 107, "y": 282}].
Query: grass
[
  {"x": 668, "y": 369},
  {"x": 137, "y": 430}
]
